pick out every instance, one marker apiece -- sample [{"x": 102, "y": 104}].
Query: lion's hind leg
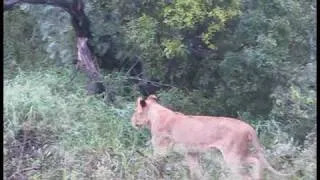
[
  {"x": 257, "y": 169},
  {"x": 237, "y": 160},
  {"x": 233, "y": 162}
]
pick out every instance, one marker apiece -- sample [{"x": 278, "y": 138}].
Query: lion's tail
[{"x": 262, "y": 158}]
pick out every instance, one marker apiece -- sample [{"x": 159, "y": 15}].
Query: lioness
[{"x": 195, "y": 134}]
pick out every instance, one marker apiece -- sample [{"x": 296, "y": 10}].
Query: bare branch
[
  {"x": 132, "y": 67},
  {"x": 152, "y": 82}
]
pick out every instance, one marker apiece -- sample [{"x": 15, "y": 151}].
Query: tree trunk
[
  {"x": 81, "y": 24},
  {"x": 85, "y": 60}
]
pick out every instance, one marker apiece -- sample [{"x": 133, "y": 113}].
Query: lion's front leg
[
  {"x": 161, "y": 147},
  {"x": 192, "y": 159}
]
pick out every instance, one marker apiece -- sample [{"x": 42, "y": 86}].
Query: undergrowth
[{"x": 53, "y": 130}]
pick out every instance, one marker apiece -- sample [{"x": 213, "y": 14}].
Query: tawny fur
[{"x": 236, "y": 139}]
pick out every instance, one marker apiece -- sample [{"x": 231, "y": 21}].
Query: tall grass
[
  {"x": 74, "y": 126},
  {"x": 53, "y": 130}
]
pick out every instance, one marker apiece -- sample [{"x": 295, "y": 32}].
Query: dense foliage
[
  {"x": 254, "y": 60},
  {"x": 241, "y": 56}
]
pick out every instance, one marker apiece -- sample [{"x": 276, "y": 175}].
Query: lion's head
[{"x": 140, "y": 116}]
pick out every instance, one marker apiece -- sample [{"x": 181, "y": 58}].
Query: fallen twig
[
  {"x": 22, "y": 171},
  {"x": 18, "y": 171}
]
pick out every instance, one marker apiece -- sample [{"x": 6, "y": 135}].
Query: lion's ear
[
  {"x": 153, "y": 97},
  {"x": 138, "y": 101},
  {"x": 143, "y": 103}
]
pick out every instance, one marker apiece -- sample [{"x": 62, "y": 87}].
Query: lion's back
[{"x": 205, "y": 129}]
